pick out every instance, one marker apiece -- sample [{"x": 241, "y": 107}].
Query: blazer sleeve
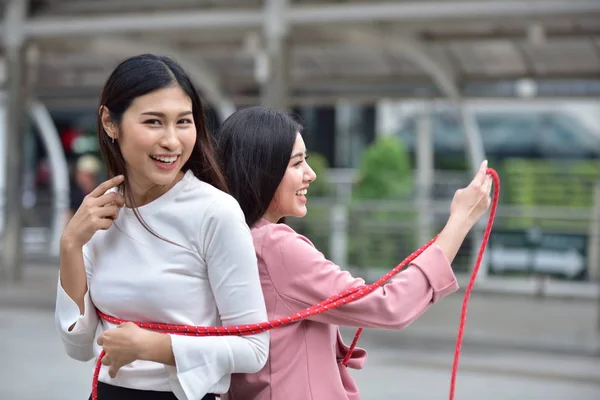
[
  {"x": 302, "y": 276},
  {"x": 79, "y": 341},
  {"x": 204, "y": 364}
]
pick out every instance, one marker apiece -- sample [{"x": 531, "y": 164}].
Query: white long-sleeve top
[{"x": 211, "y": 281}]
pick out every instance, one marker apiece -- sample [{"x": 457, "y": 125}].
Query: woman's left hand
[{"x": 122, "y": 346}]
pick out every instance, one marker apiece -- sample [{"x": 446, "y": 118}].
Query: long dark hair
[
  {"x": 138, "y": 76},
  {"x": 254, "y": 145}
]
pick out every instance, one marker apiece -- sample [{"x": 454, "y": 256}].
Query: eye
[
  {"x": 299, "y": 163},
  {"x": 152, "y": 122},
  {"x": 184, "y": 121}
]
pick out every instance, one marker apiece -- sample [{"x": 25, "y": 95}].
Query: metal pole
[
  {"x": 274, "y": 91},
  {"x": 338, "y": 244},
  {"x": 425, "y": 174},
  {"x": 594, "y": 245},
  {"x": 12, "y": 254},
  {"x": 593, "y": 254},
  {"x": 476, "y": 154}
]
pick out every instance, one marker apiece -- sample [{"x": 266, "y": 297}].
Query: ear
[{"x": 108, "y": 124}]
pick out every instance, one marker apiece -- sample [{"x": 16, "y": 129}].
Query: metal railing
[
  {"x": 525, "y": 240},
  {"x": 554, "y": 241}
]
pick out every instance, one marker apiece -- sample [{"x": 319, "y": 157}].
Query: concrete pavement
[
  {"x": 37, "y": 289},
  {"x": 34, "y": 366},
  {"x": 502, "y": 321}
]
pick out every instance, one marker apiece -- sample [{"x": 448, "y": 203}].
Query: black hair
[
  {"x": 137, "y": 76},
  {"x": 254, "y": 145}
]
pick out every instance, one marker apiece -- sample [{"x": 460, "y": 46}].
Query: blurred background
[{"x": 401, "y": 101}]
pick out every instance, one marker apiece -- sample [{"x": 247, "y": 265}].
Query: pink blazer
[{"x": 305, "y": 357}]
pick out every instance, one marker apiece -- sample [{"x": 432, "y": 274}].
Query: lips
[{"x": 165, "y": 159}]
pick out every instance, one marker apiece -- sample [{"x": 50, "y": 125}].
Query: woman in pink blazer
[{"x": 265, "y": 162}]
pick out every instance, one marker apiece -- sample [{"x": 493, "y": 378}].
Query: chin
[
  {"x": 301, "y": 213},
  {"x": 163, "y": 179}
]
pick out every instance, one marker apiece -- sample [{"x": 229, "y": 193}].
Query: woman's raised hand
[
  {"x": 97, "y": 212},
  {"x": 472, "y": 202}
]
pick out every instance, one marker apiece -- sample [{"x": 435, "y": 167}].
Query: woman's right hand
[
  {"x": 97, "y": 212},
  {"x": 472, "y": 202}
]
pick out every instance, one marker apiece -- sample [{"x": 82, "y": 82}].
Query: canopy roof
[{"x": 338, "y": 49}]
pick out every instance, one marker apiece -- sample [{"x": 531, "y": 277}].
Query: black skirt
[{"x": 110, "y": 392}]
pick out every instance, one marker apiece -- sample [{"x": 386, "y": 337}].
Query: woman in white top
[{"x": 161, "y": 241}]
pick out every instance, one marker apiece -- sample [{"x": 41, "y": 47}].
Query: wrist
[
  {"x": 152, "y": 345},
  {"x": 460, "y": 220},
  {"x": 68, "y": 243},
  {"x": 452, "y": 236},
  {"x": 459, "y": 226}
]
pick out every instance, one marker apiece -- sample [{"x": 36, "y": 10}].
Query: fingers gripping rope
[{"x": 337, "y": 300}]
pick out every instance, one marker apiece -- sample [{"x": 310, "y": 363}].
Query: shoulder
[
  {"x": 208, "y": 201},
  {"x": 218, "y": 214},
  {"x": 207, "y": 192},
  {"x": 269, "y": 237}
]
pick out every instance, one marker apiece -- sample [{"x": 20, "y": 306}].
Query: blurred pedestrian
[{"x": 85, "y": 179}]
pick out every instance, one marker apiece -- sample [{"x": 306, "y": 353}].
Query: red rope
[{"x": 345, "y": 297}]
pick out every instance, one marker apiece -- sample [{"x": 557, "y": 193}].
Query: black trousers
[{"x": 110, "y": 392}]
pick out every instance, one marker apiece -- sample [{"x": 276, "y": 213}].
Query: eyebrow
[
  {"x": 160, "y": 114},
  {"x": 299, "y": 154}
]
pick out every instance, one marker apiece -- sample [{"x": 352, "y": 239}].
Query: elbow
[
  {"x": 79, "y": 353},
  {"x": 263, "y": 357},
  {"x": 399, "y": 322},
  {"x": 83, "y": 357},
  {"x": 77, "y": 345},
  {"x": 261, "y": 351},
  {"x": 404, "y": 323},
  {"x": 399, "y": 319}
]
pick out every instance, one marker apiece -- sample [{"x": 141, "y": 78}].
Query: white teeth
[
  {"x": 301, "y": 192},
  {"x": 167, "y": 160}
]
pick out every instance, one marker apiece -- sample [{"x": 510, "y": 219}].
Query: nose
[
  {"x": 170, "y": 140},
  {"x": 310, "y": 174}
]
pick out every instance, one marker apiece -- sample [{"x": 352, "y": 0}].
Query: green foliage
[
  {"x": 454, "y": 162},
  {"x": 315, "y": 225},
  {"x": 377, "y": 235},
  {"x": 551, "y": 183},
  {"x": 548, "y": 183},
  {"x": 321, "y": 187},
  {"x": 385, "y": 171}
]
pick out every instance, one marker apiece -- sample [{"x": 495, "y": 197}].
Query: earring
[{"x": 113, "y": 139}]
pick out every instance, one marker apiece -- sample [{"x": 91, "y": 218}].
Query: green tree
[
  {"x": 384, "y": 172},
  {"x": 321, "y": 187},
  {"x": 380, "y": 236},
  {"x": 315, "y": 225}
]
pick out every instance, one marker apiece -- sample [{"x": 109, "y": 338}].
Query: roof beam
[
  {"x": 200, "y": 73},
  {"x": 305, "y": 15},
  {"x": 325, "y": 99}
]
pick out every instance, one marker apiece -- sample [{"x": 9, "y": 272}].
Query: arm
[
  {"x": 453, "y": 235},
  {"x": 202, "y": 362},
  {"x": 303, "y": 276},
  {"x": 75, "y": 315},
  {"x": 73, "y": 274}
]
